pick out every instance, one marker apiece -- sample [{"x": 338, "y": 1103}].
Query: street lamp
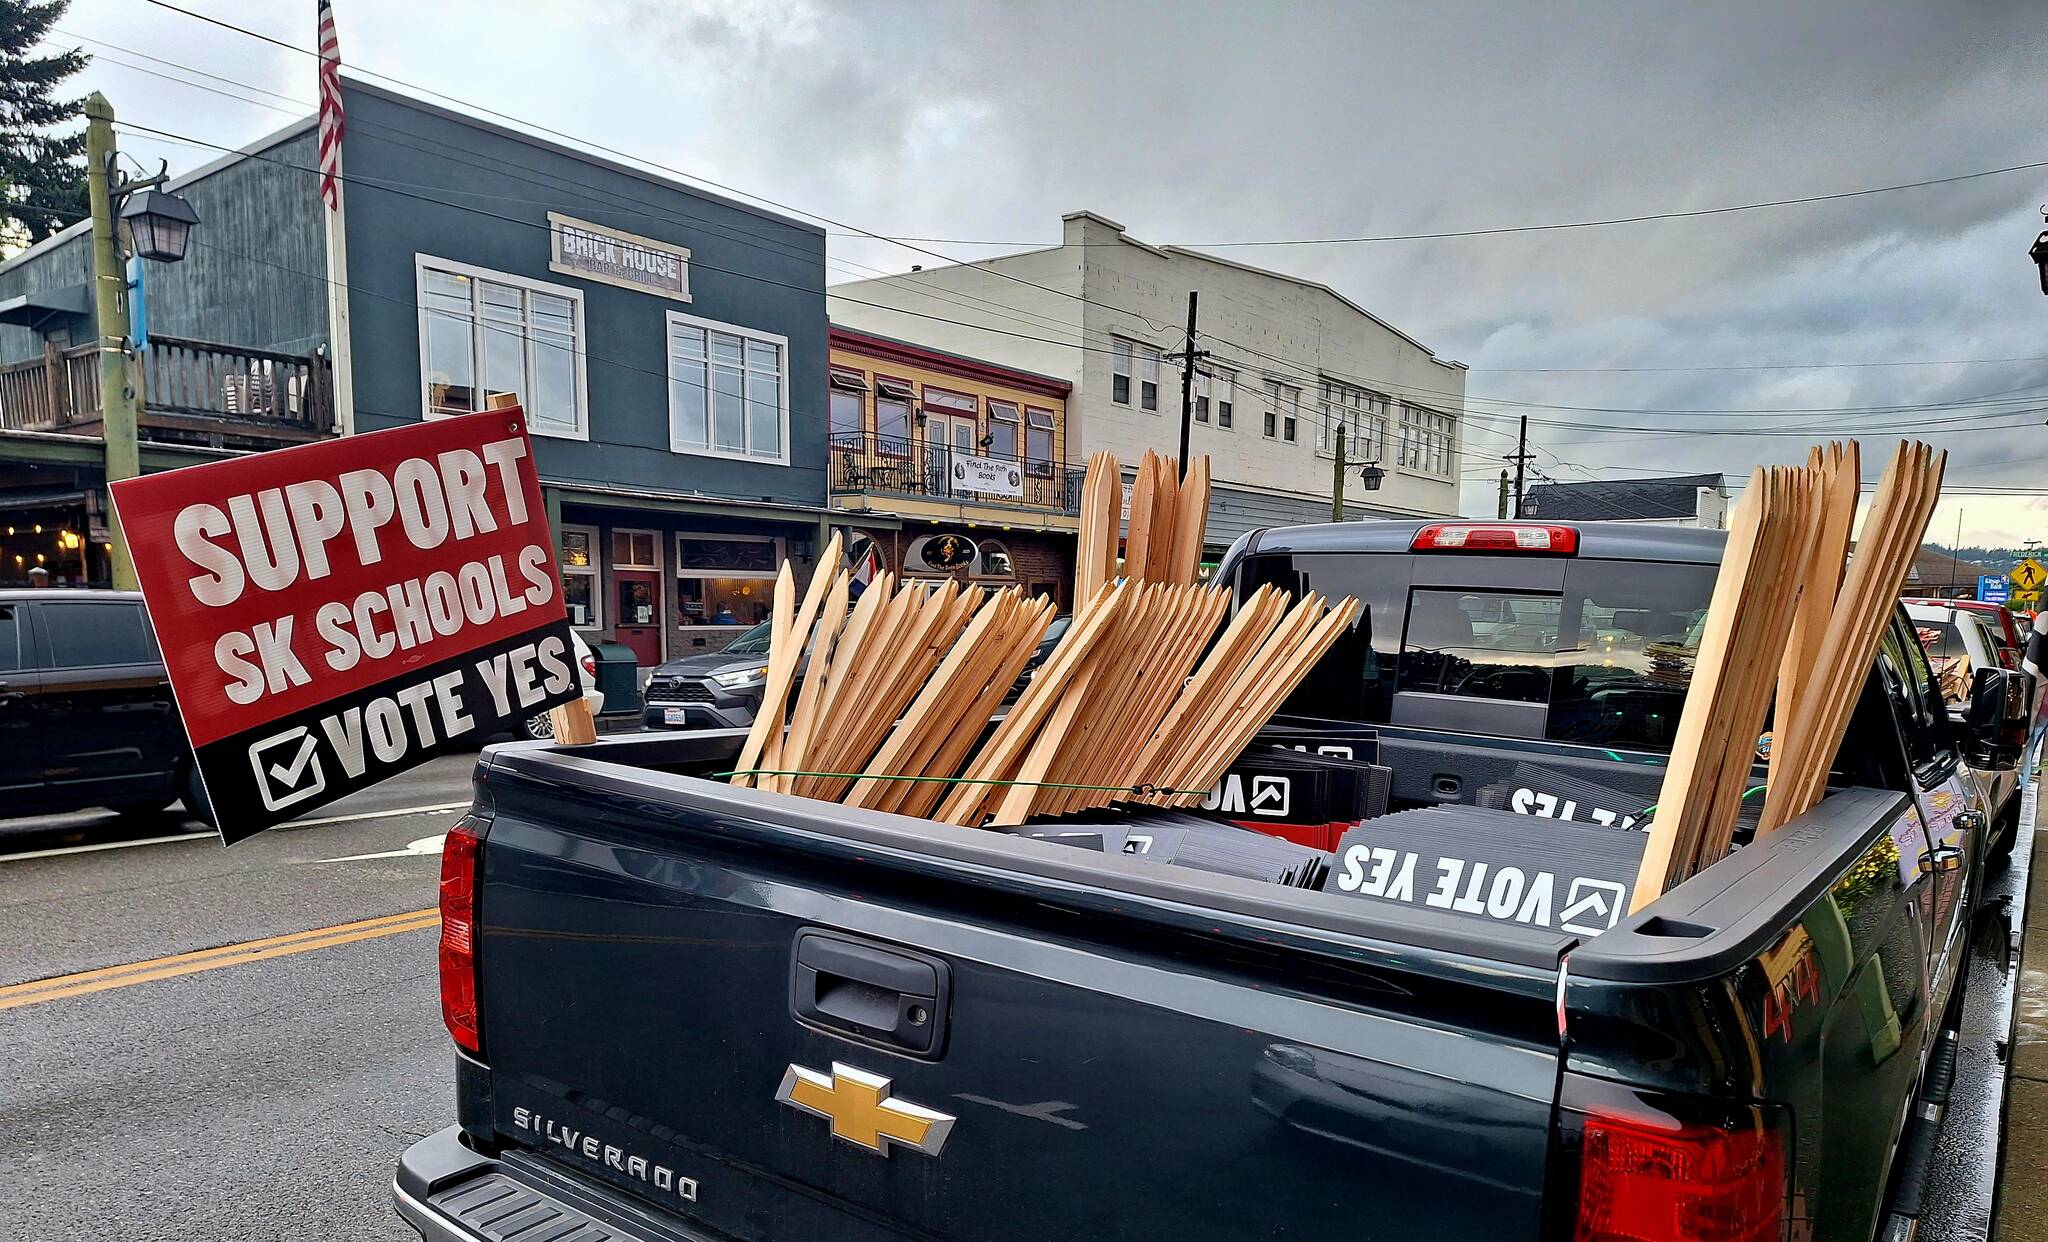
[
  {"x": 1372, "y": 476},
  {"x": 159, "y": 224}
]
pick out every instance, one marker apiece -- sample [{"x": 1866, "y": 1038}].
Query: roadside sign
[
  {"x": 334, "y": 614},
  {"x": 1993, "y": 588},
  {"x": 2029, "y": 575}
]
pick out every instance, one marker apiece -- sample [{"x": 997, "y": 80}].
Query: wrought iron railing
[
  {"x": 891, "y": 465},
  {"x": 190, "y": 390}
]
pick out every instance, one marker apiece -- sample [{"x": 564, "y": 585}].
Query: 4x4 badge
[{"x": 857, "y": 1104}]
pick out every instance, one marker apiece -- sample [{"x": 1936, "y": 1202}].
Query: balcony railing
[
  {"x": 863, "y": 462},
  {"x": 192, "y": 392}
]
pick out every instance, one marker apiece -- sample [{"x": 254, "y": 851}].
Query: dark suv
[{"x": 86, "y": 716}]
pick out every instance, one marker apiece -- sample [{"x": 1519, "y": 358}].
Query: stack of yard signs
[
  {"x": 1783, "y": 619},
  {"x": 888, "y": 705},
  {"x": 1819, "y": 718},
  {"x": 1169, "y": 518}
]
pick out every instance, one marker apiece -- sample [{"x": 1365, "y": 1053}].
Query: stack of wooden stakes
[
  {"x": 1785, "y": 622},
  {"x": 1169, "y": 517},
  {"x": 1135, "y": 704}
]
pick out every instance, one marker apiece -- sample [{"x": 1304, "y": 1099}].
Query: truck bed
[{"x": 1122, "y": 1049}]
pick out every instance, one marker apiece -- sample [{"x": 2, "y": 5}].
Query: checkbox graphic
[
  {"x": 288, "y": 768},
  {"x": 1591, "y": 907}
]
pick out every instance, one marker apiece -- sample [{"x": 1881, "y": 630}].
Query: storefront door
[{"x": 636, "y": 591}]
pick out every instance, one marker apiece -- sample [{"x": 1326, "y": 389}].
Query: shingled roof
[{"x": 1618, "y": 500}]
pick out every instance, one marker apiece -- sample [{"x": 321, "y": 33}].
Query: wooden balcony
[{"x": 193, "y": 392}]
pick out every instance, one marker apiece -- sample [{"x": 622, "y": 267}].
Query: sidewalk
[{"x": 2023, "y": 1206}]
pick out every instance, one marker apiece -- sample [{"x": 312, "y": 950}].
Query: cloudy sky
[{"x": 1204, "y": 123}]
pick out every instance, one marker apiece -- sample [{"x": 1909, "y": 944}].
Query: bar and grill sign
[{"x": 334, "y": 614}]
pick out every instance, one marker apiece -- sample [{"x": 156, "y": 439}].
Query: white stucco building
[{"x": 1291, "y": 357}]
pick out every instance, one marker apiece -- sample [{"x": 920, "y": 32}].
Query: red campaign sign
[{"x": 331, "y": 613}]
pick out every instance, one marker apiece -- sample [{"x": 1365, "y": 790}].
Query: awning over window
[
  {"x": 894, "y": 390},
  {"x": 848, "y": 381}
]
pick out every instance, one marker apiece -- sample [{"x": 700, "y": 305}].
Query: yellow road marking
[{"x": 105, "y": 978}]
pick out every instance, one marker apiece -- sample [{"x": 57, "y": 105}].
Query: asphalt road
[{"x": 261, "y": 1094}]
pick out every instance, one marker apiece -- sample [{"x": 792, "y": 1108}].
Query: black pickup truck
[{"x": 688, "y": 1011}]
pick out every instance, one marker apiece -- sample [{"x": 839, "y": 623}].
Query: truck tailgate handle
[{"x": 870, "y": 992}]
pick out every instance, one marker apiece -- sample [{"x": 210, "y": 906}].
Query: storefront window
[
  {"x": 995, "y": 561},
  {"x": 578, "y": 547},
  {"x": 726, "y": 579}
]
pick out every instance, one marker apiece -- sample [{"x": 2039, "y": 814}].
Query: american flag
[{"x": 330, "y": 109}]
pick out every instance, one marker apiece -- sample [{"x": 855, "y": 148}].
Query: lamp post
[{"x": 159, "y": 224}]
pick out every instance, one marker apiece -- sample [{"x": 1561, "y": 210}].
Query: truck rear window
[{"x": 1610, "y": 654}]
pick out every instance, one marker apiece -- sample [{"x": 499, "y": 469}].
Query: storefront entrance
[{"x": 636, "y": 587}]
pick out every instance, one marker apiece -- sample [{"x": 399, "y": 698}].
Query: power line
[{"x": 1291, "y": 368}]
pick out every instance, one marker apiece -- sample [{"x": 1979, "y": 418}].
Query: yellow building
[{"x": 960, "y": 462}]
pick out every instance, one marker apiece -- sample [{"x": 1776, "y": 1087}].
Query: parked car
[
  {"x": 710, "y": 690},
  {"x": 542, "y": 727},
  {"x": 2008, "y": 629},
  {"x": 86, "y": 714},
  {"x": 863, "y": 1025},
  {"x": 1958, "y": 641}
]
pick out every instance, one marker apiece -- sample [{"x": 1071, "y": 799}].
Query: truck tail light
[
  {"x": 1651, "y": 1167},
  {"x": 459, "y": 856},
  {"x": 1495, "y": 537}
]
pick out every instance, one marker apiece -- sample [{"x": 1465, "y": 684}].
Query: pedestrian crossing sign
[{"x": 2029, "y": 575}]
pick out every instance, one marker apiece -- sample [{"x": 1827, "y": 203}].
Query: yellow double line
[{"x": 106, "y": 978}]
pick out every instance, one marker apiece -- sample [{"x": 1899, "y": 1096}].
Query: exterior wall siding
[
  {"x": 1130, "y": 287},
  {"x": 255, "y": 274},
  {"x": 746, "y": 269}
]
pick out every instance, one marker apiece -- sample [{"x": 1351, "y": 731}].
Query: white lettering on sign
[
  {"x": 281, "y": 534},
  {"x": 1271, "y": 796},
  {"x": 1549, "y": 806},
  {"x": 594, "y": 252},
  {"x": 1509, "y": 894}
]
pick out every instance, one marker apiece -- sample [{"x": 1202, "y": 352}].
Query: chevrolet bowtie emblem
[{"x": 857, "y": 1104}]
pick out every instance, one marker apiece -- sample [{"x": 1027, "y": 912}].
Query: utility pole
[
  {"x": 119, "y": 395},
  {"x": 1337, "y": 490},
  {"x": 1521, "y": 459},
  {"x": 1502, "y": 507},
  {"x": 1187, "y": 358}
]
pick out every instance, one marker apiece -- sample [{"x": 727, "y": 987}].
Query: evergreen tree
[{"x": 42, "y": 173}]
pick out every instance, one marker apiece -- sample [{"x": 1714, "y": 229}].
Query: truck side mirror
[{"x": 1995, "y": 725}]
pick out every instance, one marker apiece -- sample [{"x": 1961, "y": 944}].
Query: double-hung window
[
  {"x": 1426, "y": 437},
  {"x": 485, "y": 334},
  {"x": 893, "y": 399},
  {"x": 1002, "y": 429},
  {"x": 728, "y": 391},
  {"x": 1038, "y": 430},
  {"x": 849, "y": 405},
  {"x": 1363, "y": 415},
  {"x": 1225, "y": 385},
  {"x": 1283, "y": 410},
  {"x": 1129, "y": 362}
]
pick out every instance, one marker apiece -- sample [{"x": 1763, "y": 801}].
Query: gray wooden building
[{"x": 669, "y": 346}]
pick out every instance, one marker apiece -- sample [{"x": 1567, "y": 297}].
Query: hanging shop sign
[
  {"x": 946, "y": 551},
  {"x": 987, "y": 475}
]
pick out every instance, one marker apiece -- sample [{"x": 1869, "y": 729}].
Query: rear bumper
[{"x": 449, "y": 1193}]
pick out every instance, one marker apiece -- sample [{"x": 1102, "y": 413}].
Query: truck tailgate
[{"x": 1123, "y": 1049}]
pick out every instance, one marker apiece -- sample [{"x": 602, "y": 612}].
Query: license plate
[{"x": 675, "y": 715}]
